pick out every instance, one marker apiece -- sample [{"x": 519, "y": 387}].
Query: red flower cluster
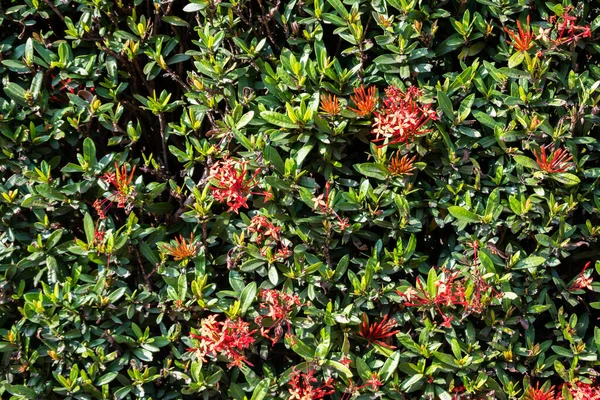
[
  {"x": 535, "y": 393},
  {"x": 567, "y": 29},
  {"x": 377, "y": 331},
  {"x": 402, "y": 117},
  {"x": 279, "y": 306},
  {"x": 182, "y": 249},
  {"x": 264, "y": 228},
  {"x": 322, "y": 202},
  {"x": 449, "y": 293},
  {"x": 304, "y": 386},
  {"x": 124, "y": 191},
  {"x": 523, "y": 39},
  {"x": 401, "y": 166},
  {"x": 230, "y": 184},
  {"x": 228, "y": 338},
  {"x": 556, "y": 161},
  {"x": 582, "y": 391}
]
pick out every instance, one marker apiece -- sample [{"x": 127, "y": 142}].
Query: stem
[{"x": 161, "y": 120}]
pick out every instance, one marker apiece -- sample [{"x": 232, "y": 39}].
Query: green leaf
[
  {"x": 261, "y": 390},
  {"x": 389, "y": 367},
  {"x": 301, "y": 348},
  {"x": 463, "y": 215},
  {"x": 339, "y": 7},
  {"x": 566, "y": 178},
  {"x": 248, "y": 295},
  {"x": 89, "y": 227},
  {"x": 272, "y": 156},
  {"x": 373, "y": 170},
  {"x": 526, "y": 162},
  {"x": 530, "y": 262},
  {"x": 277, "y": 119},
  {"x": 173, "y": 20},
  {"x": 446, "y": 105},
  {"x": 107, "y": 378},
  {"x": 16, "y": 93},
  {"x": 485, "y": 119},
  {"x": 89, "y": 152}
]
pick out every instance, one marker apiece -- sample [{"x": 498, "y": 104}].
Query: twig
[{"x": 162, "y": 123}]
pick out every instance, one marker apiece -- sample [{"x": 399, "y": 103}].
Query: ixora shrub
[{"x": 299, "y": 199}]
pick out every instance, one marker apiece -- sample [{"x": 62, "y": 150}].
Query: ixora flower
[
  {"x": 582, "y": 282},
  {"x": 365, "y": 100},
  {"x": 330, "y": 104},
  {"x": 582, "y": 391},
  {"x": 228, "y": 338},
  {"x": 181, "y": 250},
  {"x": 556, "y": 161},
  {"x": 230, "y": 185},
  {"x": 401, "y": 166},
  {"x": 535, "y": 393},
  {"x": 123, "y": 194},
  {"x": 567, "y": 29},
  {"x": 278, "y": 306},
  {"x": 304, "y": 386},
  {"x": 523, "y": 39},
  {"x": 402, "y": 117},
  {"x": 377, "y": 331}
]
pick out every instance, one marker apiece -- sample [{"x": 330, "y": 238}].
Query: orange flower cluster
[
  {"x": 556, "y": 161},
  {"x": 402, "y": 117},
  {"x": 228, "y": 338},
  {"x": 365, "y": 101},
  {"x": 279, "y": 306},
  {"x": 124, "y": 191},
  {"x": 535, "y": 393},
  {"x": 182, "y": 249},
  {"x": 401, "y": 166},
  {"x": 523, "y": 39}
]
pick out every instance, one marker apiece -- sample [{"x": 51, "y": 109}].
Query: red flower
[
  {"x": 582, "y": 391},
  {"x": 230, "y": 183},
  {"x": 402, "y": 117},
  {"x": 556, "y": 161},
  {"x": 448, "y": 293},
  {"x": 330, "y": 104},
  {"x": 182, "y": 249},
  {"x": 538, "y": 394},
  {"x": 582, "y": 282},
  {"x": 374, "y": 382},
  {"x": 377, "y": 331},
  {"x": 124, "y": 191},
  {"x": 523, "y": 40},
  {"x": 279, "y": 306},
  {"x": 263, "y": 228},
  {"x": 228, "y": 338},
  {"x": 567, "y": 29},
  {"x": 365, "y": 101},
  {"x": 304, "y": 386}
]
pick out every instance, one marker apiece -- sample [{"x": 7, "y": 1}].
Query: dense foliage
[{"x": 299, "y": 199}]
